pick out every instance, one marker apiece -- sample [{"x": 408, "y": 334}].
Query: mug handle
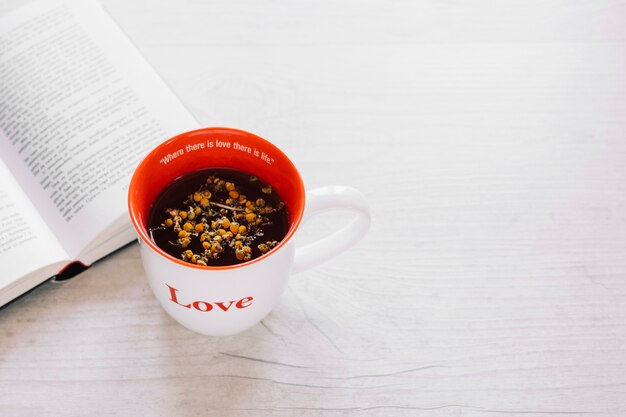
[{"x": 333, "y": 197}]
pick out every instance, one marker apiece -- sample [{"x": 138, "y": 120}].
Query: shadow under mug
[{"x": 224, "y": 300}]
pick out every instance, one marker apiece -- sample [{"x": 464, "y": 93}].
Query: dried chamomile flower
[{"x": 247, "y": 253}]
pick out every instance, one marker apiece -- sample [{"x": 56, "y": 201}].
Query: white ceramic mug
[{"x": 229, "y": 299}]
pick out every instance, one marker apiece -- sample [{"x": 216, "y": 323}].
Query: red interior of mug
[{"x": 213, "y": 148}]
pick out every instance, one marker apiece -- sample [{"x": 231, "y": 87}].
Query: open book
[{"x": 79, "y": 108}]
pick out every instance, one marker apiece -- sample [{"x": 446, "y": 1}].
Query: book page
[
  {"x": 26, "y": 243},
  {"x": 79, "y": 107}
]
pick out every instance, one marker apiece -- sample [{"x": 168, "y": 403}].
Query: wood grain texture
[{"x": 489, "y": 139}]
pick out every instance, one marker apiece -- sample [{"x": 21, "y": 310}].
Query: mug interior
[{"x": 192, "y": 151}]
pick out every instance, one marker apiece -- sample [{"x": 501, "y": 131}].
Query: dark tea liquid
[{"x": 262, "y": 214}]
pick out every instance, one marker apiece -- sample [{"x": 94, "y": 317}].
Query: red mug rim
[{"x": 145, "y": 172}]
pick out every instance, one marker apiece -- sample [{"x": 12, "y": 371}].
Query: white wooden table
[{"x": 490, "y": 139}]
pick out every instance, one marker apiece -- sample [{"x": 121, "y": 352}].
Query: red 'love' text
[{"x": 205, "y": 306}]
